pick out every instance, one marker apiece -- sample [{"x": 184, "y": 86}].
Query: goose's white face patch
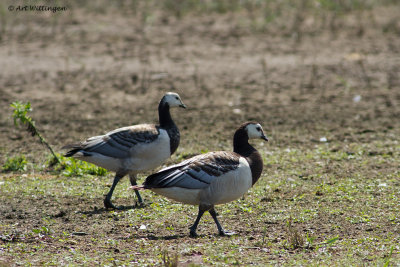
[
  {"x": 254, "y": 131},
  {"x": 173, "y": 100}
]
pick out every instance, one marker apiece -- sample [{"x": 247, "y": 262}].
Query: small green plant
[
  {"x": 294, "y": 238},
  {"x": 73, "y": 167},
  {"x": 17, "y": 163},
  {"x": 169, "y": 261},
  {"x": 20, "y": 115},
  {"x": 387, "y": 261},
  {"x": 310, "y": 241},
  {"x": 324, "y": 243},
  {"x": 331, "y": 241},
  {"x": 43, "y": 232}
]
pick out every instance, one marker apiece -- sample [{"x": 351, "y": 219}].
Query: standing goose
[
  {"x": 212, "y": 178},
  {"x": 132, "y": 149}
]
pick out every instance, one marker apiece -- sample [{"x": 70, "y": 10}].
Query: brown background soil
[{"x": 86, "y": 73}]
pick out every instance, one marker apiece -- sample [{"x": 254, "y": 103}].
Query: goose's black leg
[
  {"x": 202, "y": 209},
  {"x": 221, "y": 230},
  {"x": 132, "y": 178},
  {"x": 107, "y": 200}
]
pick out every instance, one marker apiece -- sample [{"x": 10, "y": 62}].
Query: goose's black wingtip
[
  {"x": 73, "y": 149},
  {"x": 71, "y": 153}
]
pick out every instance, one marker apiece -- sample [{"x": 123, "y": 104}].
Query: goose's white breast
[
  {"x": 147, "y": 156},
  {"x": 230, "y": 186}
]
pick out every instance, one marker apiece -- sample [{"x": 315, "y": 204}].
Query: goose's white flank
[
  {"x": 213, "y": 178},
  {"x": 132, "y": 149}
]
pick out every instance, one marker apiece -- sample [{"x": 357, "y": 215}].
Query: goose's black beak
[
  {"x": 182, "y": 105},
  {"x": 264, "y": 138}
]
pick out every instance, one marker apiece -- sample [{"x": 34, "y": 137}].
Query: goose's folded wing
[
  {"x": 120, "y": 142},
  {"x": 195, "y": 173}
]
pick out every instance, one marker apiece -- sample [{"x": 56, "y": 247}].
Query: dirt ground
[{"x": 86, "y": 73}]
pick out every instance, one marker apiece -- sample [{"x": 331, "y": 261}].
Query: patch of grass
[
  {"x": 15, "y": 164},
  {"x": 387, "y": 261},
  {"x": 289, "y": 17},
  {"x": 74, "y": 167},
  {"x": 3, "y": 19}
]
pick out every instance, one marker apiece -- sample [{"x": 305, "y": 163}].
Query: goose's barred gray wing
[
  {"x": 133, "y": 135},
  {"x": 195, "y": 173},
  {"x": 118, "y": 143}
]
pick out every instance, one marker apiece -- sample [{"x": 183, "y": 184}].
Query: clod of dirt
[
  {"x": 61, "y": 213},
  {"x": 266, "y": 199},
  {"x": 79, "y": 233}
]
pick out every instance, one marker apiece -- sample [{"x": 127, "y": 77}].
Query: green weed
[
  {"x": 20, "y": 116},
  {"x": 168, "y": 260},
  {"x": 387, "y": 261},
  {"x": 15, "y": 164},
  {"x": 73, "y": 167},
  {"x": 294, "y": 238},
  {"x": 42, "y": 231}
]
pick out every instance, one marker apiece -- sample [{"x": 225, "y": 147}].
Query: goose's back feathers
[
  {"x": 213, "y": 178},
  {"x": 132, "y": 135},
  {"x": 119, "y": 142}
]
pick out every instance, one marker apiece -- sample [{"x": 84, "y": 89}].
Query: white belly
[
  {"x": 108, "y": 163},
  {"x": 183, "y": 195}
]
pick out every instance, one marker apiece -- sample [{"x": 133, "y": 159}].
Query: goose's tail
[{"x": 73, "y": 148}]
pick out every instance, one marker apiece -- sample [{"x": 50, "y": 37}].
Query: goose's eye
[
  {"x": 258, "y": 129},
  {"x": 176, "y": 98}
]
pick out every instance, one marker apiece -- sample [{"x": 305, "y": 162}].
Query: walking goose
[
  {"x": 132, "y": 149},
  {"x": 212, "y": 178}
]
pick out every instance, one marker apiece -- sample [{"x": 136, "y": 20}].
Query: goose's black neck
[
  {"x": 241, "y": 143},
  {"x": 164, "y": 115},
  {"x": 168, "y": 124},
  {"x": 242, "y": 147}
]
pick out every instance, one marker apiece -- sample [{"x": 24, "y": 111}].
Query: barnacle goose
[
  {"x": 213, "y": 178},
  {"x": 132, "y": 149}
]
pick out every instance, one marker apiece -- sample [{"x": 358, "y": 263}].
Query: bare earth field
[{"x": 326, "y": 90}]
